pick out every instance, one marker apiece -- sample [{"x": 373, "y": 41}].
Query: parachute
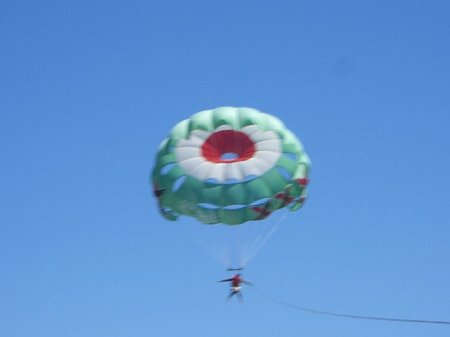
[{"x": 230, "y": 165}]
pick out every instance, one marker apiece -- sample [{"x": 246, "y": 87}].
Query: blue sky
[{"x": 88, "y": 89}]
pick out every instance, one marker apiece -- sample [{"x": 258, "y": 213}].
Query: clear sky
[{"x": 88, "y": 89}]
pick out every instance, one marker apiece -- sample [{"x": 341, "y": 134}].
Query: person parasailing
[{"x": 235, "y": 285}]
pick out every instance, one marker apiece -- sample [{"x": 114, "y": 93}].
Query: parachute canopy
[{"x": 230, "y": 165}]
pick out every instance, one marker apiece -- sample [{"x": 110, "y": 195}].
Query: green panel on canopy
[{"x": 226, "y": 116}]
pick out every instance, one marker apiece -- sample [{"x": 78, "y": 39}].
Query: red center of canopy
[{"x": 228, "y": 146}]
